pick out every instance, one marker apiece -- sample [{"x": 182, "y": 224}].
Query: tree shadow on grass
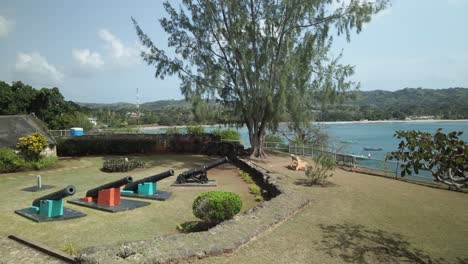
[
  {"x": 305, "y": 182},
  {"x": 356, "y": 244}
]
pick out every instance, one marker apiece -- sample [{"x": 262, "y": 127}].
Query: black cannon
[
  {"x": 107, "y": 198},
  {"x": 58, "y": 195},
  {"x": 133, "y": 186},
  {"x": 199, "y": 175},
  {"x": 115, "y": 184},
  {"x": 50, "y": 207}
]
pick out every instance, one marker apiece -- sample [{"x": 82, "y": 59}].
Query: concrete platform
[
  {"x": 67, "y": 214},
  {"x": 160, "y": 196},
  {"x": 210, "y": 183},
  {"x": 125, "y": 205}
]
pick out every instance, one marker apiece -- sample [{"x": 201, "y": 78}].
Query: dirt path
[{"x": 364, "y": 219}]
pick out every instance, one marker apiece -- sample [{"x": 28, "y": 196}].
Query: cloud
[
  {"x": 117, "y": 51},
  {"x": 114, "y": 55},
  {"x": 36, "y": 70},
  {"x": 87, "y": 58},
  {"x": 6, "y": 26}
]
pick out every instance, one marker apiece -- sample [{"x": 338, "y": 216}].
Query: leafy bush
[
  {"x": 254, "y": 189},
  {"x": 172, "y": 130},
  {"x": 444, "y": 155},
  {"x": 195, "y": 130},
  {"x": 43, "y": 162},
  {"x": 320, "y": 171},
  {"x": 32, "y": 145},
  {"x": 122, "y": 165},
  {"x": 70, "y": 249},
  {"x": 228, "y": 134},
  {"x": 273, "y": 138},
  {"x": 10, "y": 161},
  {"x": 246, "y": 176},
  {"x": 216, "y": 206}
]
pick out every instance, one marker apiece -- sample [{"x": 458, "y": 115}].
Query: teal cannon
[{"x": 51, "y": 205}]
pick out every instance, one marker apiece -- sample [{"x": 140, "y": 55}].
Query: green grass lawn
[
  {"x": 363, "y": 219},
  {"x": 97, "y": 228}
]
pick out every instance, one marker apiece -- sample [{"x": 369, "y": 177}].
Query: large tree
[{"x": 249, "y": 54}]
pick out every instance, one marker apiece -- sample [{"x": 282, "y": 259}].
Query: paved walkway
[{"x": 14, "y": 252}]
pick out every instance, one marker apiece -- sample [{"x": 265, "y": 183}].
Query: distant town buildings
[
  {"x": 93, "y": 120},
  {"x": 429, "y": 117}
]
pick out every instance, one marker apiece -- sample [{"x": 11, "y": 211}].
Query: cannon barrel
[
  {"x": 115, "y": 184},
  {"x": 67, "y": 191},
  {"x": 133, "y": 186},
  {"x": 203, "y": 169},
  {"x": 216, "y": 163}
]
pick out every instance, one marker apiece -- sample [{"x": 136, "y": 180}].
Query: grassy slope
[
  {"x": 363, "y": 219},
  {"x": 98, "y": 227}
]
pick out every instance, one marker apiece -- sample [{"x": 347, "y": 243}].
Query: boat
[
  {"x": 373, "y": 148},
  {"x": 359, "y": 157},
  {"x": 346, "y": 141}
]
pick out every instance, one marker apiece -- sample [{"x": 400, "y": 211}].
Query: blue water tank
[{"x": 76, "y": 131}]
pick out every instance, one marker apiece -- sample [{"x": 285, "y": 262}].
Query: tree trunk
[{"x": 256, "y": 141}]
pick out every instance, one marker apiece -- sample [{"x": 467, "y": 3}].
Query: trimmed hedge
[
  {"x": 128, "y": 144},
  {"x": 122, "y": 165},
  {"x": 216, "y": 206}
]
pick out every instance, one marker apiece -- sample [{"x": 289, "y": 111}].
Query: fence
[{"x": 360, "y": 163}]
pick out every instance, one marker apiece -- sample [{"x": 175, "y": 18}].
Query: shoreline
[
  {"x": 393, "y": 121},
  {"x": 144, "y": 127}
]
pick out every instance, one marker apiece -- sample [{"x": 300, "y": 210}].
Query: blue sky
[{"x": 89, "y": 49}]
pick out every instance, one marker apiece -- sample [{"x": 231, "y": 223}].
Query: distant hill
[
  {"x": 451, "y": 103},
  {"x": 149, "y": 106}
]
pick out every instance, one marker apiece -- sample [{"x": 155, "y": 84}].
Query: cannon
[
  {"x": 199, "y": 175},
  {"x": 112, "y": 185},
  {"x": 55, "y": 196},
  {"x": 146, "y": 188},
  {"x": 133, "y": 186},
  {"x": 50, "y": 207},
  {"x": 107, "y": 197}
]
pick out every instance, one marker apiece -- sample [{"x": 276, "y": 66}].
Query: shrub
[
  {"x": 216, "y": 206},
  {"x": 122, "y": 165},
  {"x": 172, "y": 130},
  {"x": 227, "y": 134},
  {"x": 254, "y": 189},
  {"x": 246, "y": 176},
  {"x": 44, "y": 162},
  {"x": 317, "y": 173},
  {"x": 273, "y": 138},
  {"x": 32, "y": 145},
  {"x": 195, "y": 130},
  {"x": 10, "y": 161},
  {"x": 70, "y": 249}
]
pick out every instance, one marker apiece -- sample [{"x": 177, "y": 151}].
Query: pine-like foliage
[{"x": 255, "y": 56}]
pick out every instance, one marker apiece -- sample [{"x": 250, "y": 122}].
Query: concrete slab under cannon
[
  {"x": 67, "y": 214},
  {"x": 210, "y": 183},
  {"x": 160, "y": 196},
  {"x": 125, "y": 205}
]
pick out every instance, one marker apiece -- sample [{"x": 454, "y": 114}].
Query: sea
[
  {"x": 355, "y": 137},
  {"x": 371, "y": 141}
]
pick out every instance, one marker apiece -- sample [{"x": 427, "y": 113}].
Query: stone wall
[{"x": 223, "y": 238}]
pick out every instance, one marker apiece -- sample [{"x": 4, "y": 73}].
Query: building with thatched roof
[{"x": 12, "y": 127}]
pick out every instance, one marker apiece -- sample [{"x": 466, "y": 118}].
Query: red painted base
[{"x": 109, "y": 197}]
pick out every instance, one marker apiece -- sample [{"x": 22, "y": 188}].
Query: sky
[{"x": 89, "y": 49}]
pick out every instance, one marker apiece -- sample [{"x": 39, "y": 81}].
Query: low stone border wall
[{"x": 223, "y": 238}]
